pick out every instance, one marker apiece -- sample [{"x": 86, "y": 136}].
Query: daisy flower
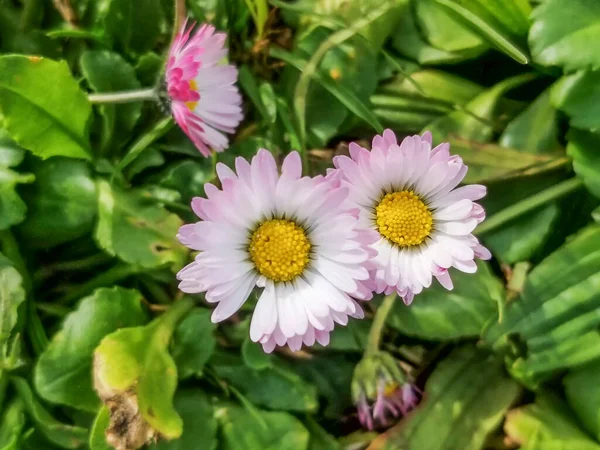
[
  {"x": 203, "y": 97},
  {"x": 382, "y": 391},
  {"x": 408, "y": 194},
  {"x": 295, "y": 237}
]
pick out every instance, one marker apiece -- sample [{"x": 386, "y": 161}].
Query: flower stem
[
  {"x": 381, "y": 316},
  {"x": 123, "y": 96},
  {"x": 529, "y": 204}
]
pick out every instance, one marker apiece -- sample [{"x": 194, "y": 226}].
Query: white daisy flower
[
  {"x": 408, "y": 194},
  {"x": 295, "y": 237}
]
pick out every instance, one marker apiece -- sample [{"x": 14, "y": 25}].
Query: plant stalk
[
  {"x": 123, "y": 96},
  {"x": 378, "y": 325}
]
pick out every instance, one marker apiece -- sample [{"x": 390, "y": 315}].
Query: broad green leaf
[
  {"x": 199, "y": 423},
  {"x": 276, "y": 387},
  {"x": 553, "y": 324},
  {"x": 479, "y": 118},
  {"x": 578, "y": 96},
  {"x": 254, "y": 356},
  {"x": 17, "y": 39},
  {"x": 137, "y": 230},
  {"x": 352, "y": 337},
  {"x": 319, "y": 438},
  {"x": 44, "y": 110},
  {"x": 12, "y": 208},
  {"x": 267, "y": 96},
  {"x": 63, "y": 373},
  {"x": 151, "y": 157},
  {"x": 583, "y": 148},
  {"x": 331, "y": 374},
  {"x": 535, "y": 130},
  {"x": 520, "y": 240},
  {"x": 107, "y": 71},
  {"x": 408, "y": 41},
  {"x": 546, "y": 425},
  {"x": 583, "y": 394},
  {"x": 562, "y": 33},
  {"x": 136, "y": 377},
  {"x": 438, "y": 314},
  {"x": 187, "y": 177},
  {"x": 11, "y": 427},
  {"x": 12, "y": 295},
  {"x": 148, "y": 68},
  {"x": 499, "y": 23},
  {"x": 97, "y": 437},
  {"x": 349, "y": 11},
  {"x": 465, "y": 399},
  {"x": 193, "y": 343},
  {"x": 66, "y": 436},
  {"x": 241, "y": 430},
  {"x": 61, "y": 202}
]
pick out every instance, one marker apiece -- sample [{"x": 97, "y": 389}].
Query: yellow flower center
[
  {"x": 403, "y": 218},
  {"x": 279, "y": 249},
  {"x": 390, "y": 388},
  {"x": 194, "y": 87}
]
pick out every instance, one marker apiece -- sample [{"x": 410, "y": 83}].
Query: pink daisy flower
[
  {"x": 391, "y": 402},
  {"x": 204, "y": 99},
  {"x": 295, "y": 237},
  {"x": 408, "y": 194}
]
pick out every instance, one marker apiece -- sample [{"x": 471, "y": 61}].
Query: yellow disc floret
[
  {"x": 403, "y": 218},
  {"x": 194, "y": 87},
  {"x": 279, "y": 249}
]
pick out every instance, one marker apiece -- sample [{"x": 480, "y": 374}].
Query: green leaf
[
  {"x": 199, "y": 423},
  {"x": 477, "y": 120},
  {"x": 331, "y": 374},
  {"x": 11, "y": 427},
  {"x": 12, "y": 208},
  {"x": 562, "y": 33},
  {"x": 148, "y": 68},
  {"x": 187, "y": 177},
  {"x": 97, "y": 437},
  {"x": 545, "y": 425},
  {"x": 535, "y": 130},
  {"x": 267, "y": 96},
  {"x": 240, "y": 430},
  {"x": 107, "y": 71},
  {"x": 62, "y": 203},
  {"x": 583, "y": 395},
  {"x": 193, "y": 343},
  {"x": 553, "y": 324},
  {"x": 441, "y": 30},
  {"x": 276, "y": 387},
  {"x": 151, "y": 157},
  {"x": 319, "y": 438},
  {"x": 136, "y": 230},
  {"x": 12, "y": 295},
  {"x": 250, "y": 86},
  {"x": 44, "y": 110},
  {"x": 583, "y": 148},
  {"x": 63, "y": 373},
  {"x": 407, "y": 40},
  {"x": 410, "y": 102},
  {"x": 578, "y": 96},
  {"x": 492, "y": 22},
  {"x": 254, "y": 356},
  {"x": 465, "y": 399},
  {"x": 439, "y": 314},
  {"x": 66, "y": 436},
  {"x": 135, "y": 376}
]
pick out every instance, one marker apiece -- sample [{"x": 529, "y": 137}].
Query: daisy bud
[
  {"x": 297, "y": 238},
  {"x": 381, "y": 391},
  {"x": 407, "y": 193},
  {"x": 201, "y": 93}
]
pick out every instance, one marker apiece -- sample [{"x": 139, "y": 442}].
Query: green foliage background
[{"x": 91, "y": 197}]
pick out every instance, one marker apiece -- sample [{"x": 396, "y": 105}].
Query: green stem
[
  {"x": 165, "y": 324},
  {"x": 69, "y": 266},
  {"x": 527, "y": 205},
  {"x": 180, "y": 15},
  {"x": 10, "y": 249},
  {"x": 107, "y": 278},
  {"x": 141, "y": 144},
  {"x": 123, "y": 96},
  {"x": 378, "y": 324}
]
